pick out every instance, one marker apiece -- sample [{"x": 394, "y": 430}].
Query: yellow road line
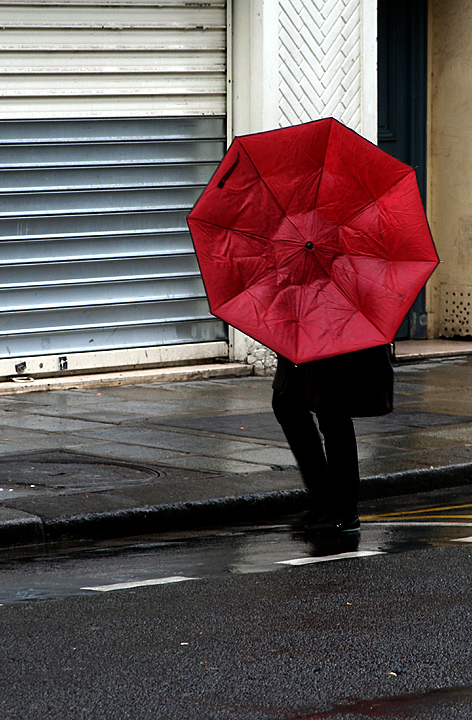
[
  {"x": 367, "y": 518},
  {"x": 404, "y": 513}
]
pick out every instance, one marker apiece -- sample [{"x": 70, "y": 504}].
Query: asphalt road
[{"x": 250, "y": 623}]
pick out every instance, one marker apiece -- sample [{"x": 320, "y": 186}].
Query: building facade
[{"x": 114, "y": 115}]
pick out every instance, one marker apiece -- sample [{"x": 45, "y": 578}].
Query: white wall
[{"x": 296, "y": 61}]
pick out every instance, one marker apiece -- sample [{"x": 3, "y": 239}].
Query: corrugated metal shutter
[
  {"x": 94, "y": 248},
  {"x": 89, "y": 58}
]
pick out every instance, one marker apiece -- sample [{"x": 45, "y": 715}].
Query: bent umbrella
[{"x": 312, "y": 240}]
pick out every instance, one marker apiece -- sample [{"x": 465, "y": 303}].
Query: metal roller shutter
[
  {"x": 112, "y": 120},
  {"x": 94, "y": 248},
  {"x": 98, "y": 58}
]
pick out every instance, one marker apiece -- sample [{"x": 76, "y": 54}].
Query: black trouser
[{"x": 331, "y": 473}]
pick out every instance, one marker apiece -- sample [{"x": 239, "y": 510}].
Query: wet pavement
[{"x": 93, "y": 463}]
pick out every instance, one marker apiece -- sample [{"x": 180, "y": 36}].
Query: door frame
[{"x": 409, "y": 141}]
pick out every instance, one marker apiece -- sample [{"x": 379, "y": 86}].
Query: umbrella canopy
[{"x": 312, "y": 240}]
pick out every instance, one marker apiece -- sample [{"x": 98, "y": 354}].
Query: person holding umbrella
[{"x": 314, "y": 242}]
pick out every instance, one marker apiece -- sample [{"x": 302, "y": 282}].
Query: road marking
[
  {"x": 464, "y": 539},
  {"x": 444, "y": 517},
  {"x": 328, "y": 558},
  {"x": 418, "y": 519},
  {"x": 416, "y": 523},
  {"x": 139, "y": 583},
  {"x": 422, "y": 511}
]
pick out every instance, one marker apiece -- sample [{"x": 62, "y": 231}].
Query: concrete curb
[
  {"x": 128, "y": 377},
  {"x": 180, "y": 516},
  {"x": 416, "y": 481},
  {"x": 26, "y": 530},
  {"x": 405, "y": 352},
  {"x": 411, "y": 351}
]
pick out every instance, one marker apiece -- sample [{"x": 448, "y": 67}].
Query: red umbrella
[{"x": 312, "y": 240}]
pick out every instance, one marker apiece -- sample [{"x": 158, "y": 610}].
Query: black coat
[{"x": 357, "y": 384}]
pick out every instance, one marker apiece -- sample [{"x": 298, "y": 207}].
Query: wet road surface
[
  {"x": 256, "y": 623},
  {"x": 412, "y": 523}
]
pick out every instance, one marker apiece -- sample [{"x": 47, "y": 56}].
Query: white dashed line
[
  {"x": 328, "y": 558},
  {"x": 179, "y": 578},
  {"x": 140, "y": 583},
  {"x": 464, "y": 539}
]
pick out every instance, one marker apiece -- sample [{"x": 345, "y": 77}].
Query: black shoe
[{"x": 329, "y": 524}]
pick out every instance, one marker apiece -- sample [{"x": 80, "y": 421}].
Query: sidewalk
[{"x": 106, "y": 460}]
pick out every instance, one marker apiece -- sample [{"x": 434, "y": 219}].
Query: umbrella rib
[
  {"x": 315, "y": 204},
  {"x": 223, "y": 305},
  {"x": 224, "y": 227},
  {"x": 375, "y": 325},
  {"x": 375, "y": 200},
  {"x": 271, "y": 193},
  {"x": 350, "y": 300}
]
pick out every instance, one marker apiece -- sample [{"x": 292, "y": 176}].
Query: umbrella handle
[{"x": 228, "y": 173}]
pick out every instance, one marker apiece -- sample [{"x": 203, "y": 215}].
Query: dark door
[{"x": 402, "y": 88}]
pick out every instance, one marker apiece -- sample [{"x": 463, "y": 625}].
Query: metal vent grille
[
  {"x": 95, "y": 252},
  {"x": 456, "y": 311}
]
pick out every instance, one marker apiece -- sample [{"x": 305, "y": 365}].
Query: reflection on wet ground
[
  {"x": 266, "y": 550},
  {"x": 238, "y": 550}
]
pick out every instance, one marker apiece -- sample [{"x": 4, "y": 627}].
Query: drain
[{"x": 64, "y": 471}]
